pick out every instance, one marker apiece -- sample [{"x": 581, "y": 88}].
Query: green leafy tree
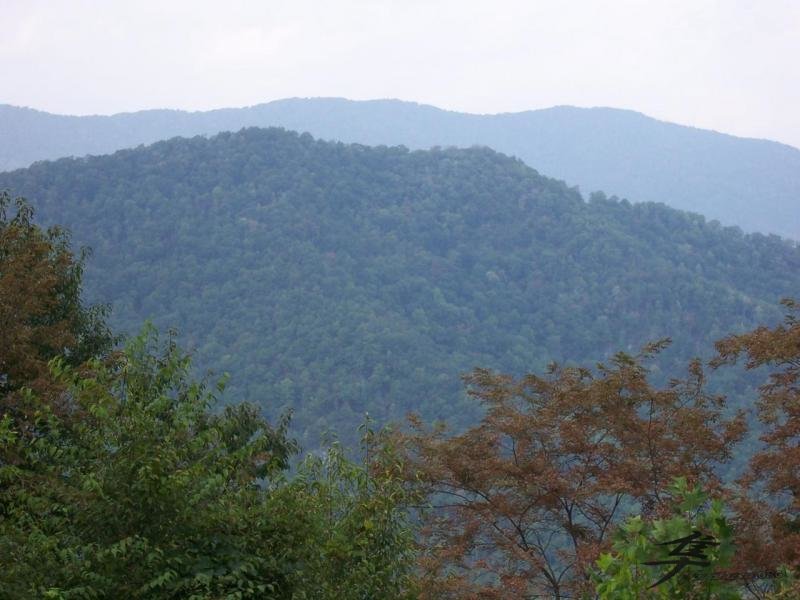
[
  {"x": 362, "y": 542},
  {"x": 691, "y": 545},
  {"x": 148, "y": 495},
  {"x": 152, "y": 494}
]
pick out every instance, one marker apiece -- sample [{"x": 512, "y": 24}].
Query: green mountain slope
[
  {"x": 336, "y": 279},
  {"x": 754, "y": 184}
]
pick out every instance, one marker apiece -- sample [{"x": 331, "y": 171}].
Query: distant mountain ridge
[
  {"x": 754, "y": 184},
  {"x": 335, "y": 279}
]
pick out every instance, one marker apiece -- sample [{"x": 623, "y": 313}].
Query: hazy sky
[{"x": 730, "y": 65}]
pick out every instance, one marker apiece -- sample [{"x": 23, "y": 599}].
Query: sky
[{"x": 728, "y": 65}]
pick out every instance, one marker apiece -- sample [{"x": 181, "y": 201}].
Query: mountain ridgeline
[
  {"x": 337, "y": 279},
  {"x": 754, "y": 184}
]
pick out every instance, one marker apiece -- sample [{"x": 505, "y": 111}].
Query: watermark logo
[{"x": 689, "y": 550}]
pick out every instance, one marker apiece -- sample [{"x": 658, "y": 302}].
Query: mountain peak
[{"x": 753, "y": 184}]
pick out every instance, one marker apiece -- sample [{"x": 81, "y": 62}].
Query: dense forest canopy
[
  {"x": 337, "y": 279},
  {"x": 750, "y": 183}
]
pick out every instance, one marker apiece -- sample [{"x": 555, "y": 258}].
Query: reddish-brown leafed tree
[
  {"x": 523, "y": 502},
  {"x": 772, "y": 512},
  {"x": 41, "y": 312}
]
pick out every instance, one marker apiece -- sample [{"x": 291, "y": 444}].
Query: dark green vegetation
[
  {"x": 335, "y": 279},
  {"x": 121, "y": 477},
  {"x": 754, "y": 184},
  {"x": 141, "y": 492}
]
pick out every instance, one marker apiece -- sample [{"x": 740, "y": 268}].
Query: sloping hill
[
  {"x": 336, "y": 279},
  {"x": 754, "y": 184}
]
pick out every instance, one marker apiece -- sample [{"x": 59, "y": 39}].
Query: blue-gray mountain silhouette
[{"x": 754, "y": 184}]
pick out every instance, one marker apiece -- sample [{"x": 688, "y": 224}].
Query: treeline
[
  {"x": 122, "y": 476},
  {"x": 335, "y": 280}
]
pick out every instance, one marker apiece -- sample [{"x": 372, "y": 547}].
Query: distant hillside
[
  {"x": 754, "y": 184},
  {"x": 336, "y": 279}
]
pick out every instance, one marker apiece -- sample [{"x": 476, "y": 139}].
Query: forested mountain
[
  {"x": 336, "y": 279},
  {"x": 754, "y": 184}
]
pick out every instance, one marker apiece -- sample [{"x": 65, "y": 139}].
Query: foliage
[
  {"x": 788, "y": 586},
  {"x": 362, "y": 539},
  {"x": 624, "y": 574},
  {"x": 524, "y": 502},
  {"x": 42, "y": 314},
  {"x": 337, "y": 279},
  {"x": 152, "y": 495},
  {"x": 773, "y": 479}
]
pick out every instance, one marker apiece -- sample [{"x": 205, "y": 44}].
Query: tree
[
  {"x": 152, "y": 494},
  {"x": 361, "y": 541},
  {"x": 147, "y": 495},
  {"x": 771, "y": 525},
  {"x": 524, "y": 502},
  {"x": 678, "y": 556},
  {"x": 42, "y": 314}
]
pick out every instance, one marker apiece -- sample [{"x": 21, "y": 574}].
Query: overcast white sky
[{"x": 729, "y": 65}]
